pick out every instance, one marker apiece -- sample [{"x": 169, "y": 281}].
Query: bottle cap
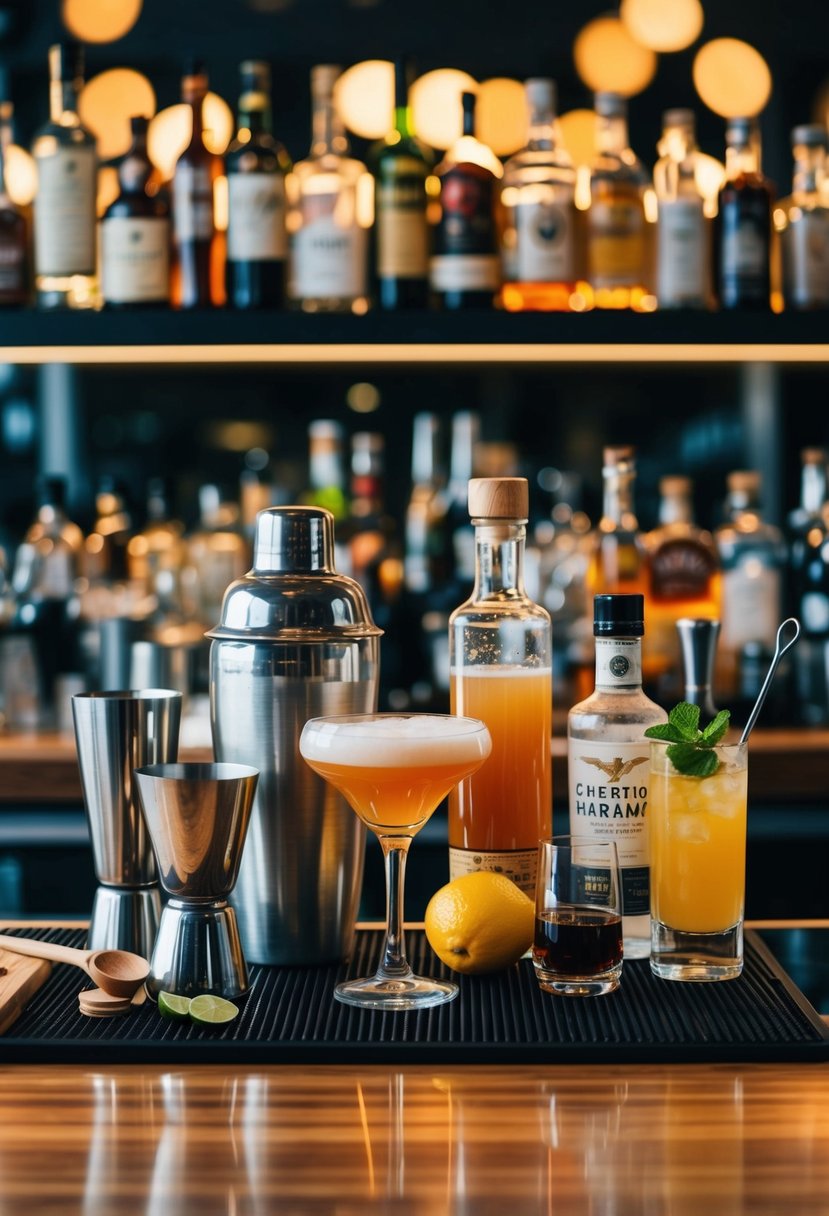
[
  {"x": 679, "y": 118},
  {"x": 813, "y": 455},
  {"x": 738, "y": 131},
  {"x": 812, "y": 135},
  {"x": 610, "y": 105},
  {"x": 257, "y": 73},
  {"x": 618, "y": 455},
  {"x": 743, "y": 479},
  {"x": 66, "y": 61},
  {"x": 499, "y": 498},
  {"x": 541, "y": 93},
  {"x": 674, "y": 485},
  {"x": 618, "y": 616},
  {"x": 323, "y": 78}
]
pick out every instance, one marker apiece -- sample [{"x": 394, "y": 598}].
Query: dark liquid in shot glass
[{"x": 579, "y": 941}]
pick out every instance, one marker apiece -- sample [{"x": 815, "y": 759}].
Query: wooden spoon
[{"x": 116, "y": 971}]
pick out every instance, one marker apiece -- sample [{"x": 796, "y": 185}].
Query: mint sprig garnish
[{"x": 690, "y": 750}]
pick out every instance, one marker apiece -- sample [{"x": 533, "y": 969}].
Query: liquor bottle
[
  {"x": 157, "y": 553},
  {"x": 401, "y": 166},
  {"x": 464, "y": 271},
  {"x": 328, "y": 242},
  {"x": 743, "y": 243},
  {"x": 426, "y": 560},
  {"x": 14, "y": 236},
  {"x": 538, "y": 213},
  {"x": 466, "y": 429},
  {"x": 217, "y": 552},
  {"x": 809, "y": 588},
  {"x": 500, "y": 672},
  {"x": 608, "y": 757},
  {"x": 617, "y": 238},
  {"x": 753, "y": 555},
  {"x": 684, "y": 581},
  {"x": 109, "y": 538},
  {"x": 196, "y": 283},
  {"x": 326, "y": 468},
  {"x": 257, "y": 239},
  {"x": 802, "y": 220},
  {"x": 682, "y": 236},
  {"x": 135, "y": 233},
  {"x": 64, "y": 212}
]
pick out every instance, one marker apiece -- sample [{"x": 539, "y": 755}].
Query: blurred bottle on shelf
[
  {"x": 617, "y": 229},
  {"x": 217, "y": 553},
  {"x": 564, "y": 542},
  {"x": 326, "y": 468},
  {"x": 106, "y": 558},
  {"x": 427, "y": 559},
  {"x": 465, "y": 269},
  {"x": 808, "y": 529},
  {"x": 401, "y": 167},
  {"x": 135, "y": 233},
  {"x": 683, "y": 250},
  {"x": 257, "y": 237},
  {"x": 463, "y": 466},
  {"x": 684, "y": 581},
  {"x": 156, "y": 554},
  {"x": 64, "y": 211},
  {"x": 802, "y": 220},
  {"x": 538, "y": 214},
  {"x": 14, "y": 231},
  {"x": 753, "y": 555},
  {"x": 198, "y": 277},
  {"x": 744, "y": 223},
  {"x": 330, "y": 204}
]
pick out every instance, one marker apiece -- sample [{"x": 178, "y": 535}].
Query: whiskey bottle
[
  {"x": 500, "y": 655},
  {"x": 64, "y": 211},
  {"x": 608, "y": 757},
  {"x": 329, "y": 239},
  {"x": 744, "y": 223},
  {"x": 538, "y": 214},
  {"x": 14, "y": 237},
  {"x": 802, "y": 220},
  {"x": 156, "y": 554},
  {"x": 682, "y": 240},
  {"x": 257, "y": 239},
  {"x": 196, "y": 282},
  {"x": 465, "y": 271},
  {"x": 135, "y": 233},
  {"x": 617, "y": 239},
  {"x": 217, "y": 552},
  {"x": 106, "y": 560},
  {"x": 401, "y": 168}
]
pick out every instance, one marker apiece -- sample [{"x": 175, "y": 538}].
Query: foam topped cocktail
[{"x": 394, "y": 770}]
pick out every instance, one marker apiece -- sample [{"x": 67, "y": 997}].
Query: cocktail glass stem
[{"x": 394, "y": 965}]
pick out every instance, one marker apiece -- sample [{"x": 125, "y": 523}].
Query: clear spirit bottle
[
  {"x": 538, "y": 214},
  {"x": 608, "y": 757},
  {"x": 802, "y": 220},
  {"x": 683, "y": 250}
]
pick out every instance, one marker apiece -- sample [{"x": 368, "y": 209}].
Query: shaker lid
[{"x": 293, "y": 592}]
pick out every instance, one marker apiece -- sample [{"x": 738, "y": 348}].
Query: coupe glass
[{"x": 394, "y": 770}]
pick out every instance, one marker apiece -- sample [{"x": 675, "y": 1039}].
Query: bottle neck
[
  {"x": 813, "y": 488},
  {"x": 328, "y": 132},
  {"x": 809, "y": 170},
  {"x": 499, "y": 560},
  {"x": 194, "y": 93},
  {"x": 618, "y": 664},
  {"x": 542, "y": 133},
  {"x": 741, "y": 160},
  {"x": 5, "y": 143},
  {"x": 63, "y": 102},
  {"x": 611, "y": 134},
  {"x": 255, "y": 113},
  {"x": 675, "y": 509},
  {"x": 618, "y": 497}
]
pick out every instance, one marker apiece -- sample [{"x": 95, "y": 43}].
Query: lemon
[
  {"x": 479, "y": 922},
  {"x": 210, "y": 1010}
]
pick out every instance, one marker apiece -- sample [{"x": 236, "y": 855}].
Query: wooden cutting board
[{"x": 23, "y": 977}]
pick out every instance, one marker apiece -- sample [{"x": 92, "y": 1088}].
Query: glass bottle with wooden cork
[{"x": 500, "y": 649}]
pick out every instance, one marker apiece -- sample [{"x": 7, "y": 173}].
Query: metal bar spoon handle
[
  {"x": 115, "y": 971},
  {"x": 779, "y": 650}
]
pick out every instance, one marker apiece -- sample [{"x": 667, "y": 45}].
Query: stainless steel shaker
[{"x": 296, "y": 641}]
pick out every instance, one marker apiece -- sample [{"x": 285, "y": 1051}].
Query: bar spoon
[
  {"x": 779, "y": 651},
  {"x": 115, "y": 971}
]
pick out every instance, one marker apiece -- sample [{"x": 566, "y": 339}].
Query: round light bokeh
[
  {"x": 608, "y": 59},
  {"x": 709, "y": 175},
  {"x": 663, "y": 25},
  {"x": 108, "y": 188},
  {"x": 436, "y": 105},
  {"x": 170, "y": 132},
  {"x": 364, "y": 97},
  {"x": 732, "y": 78},
  {"x": 108, "y": 102},
  {"x": 577, "y": 129},
  {"x": 21, "y": 175},
  {"x": 100, "y": 20},
  {"x": 501, "y": 115}
]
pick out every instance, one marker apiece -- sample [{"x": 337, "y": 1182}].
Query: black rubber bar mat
[{"x": 291, "y": 1017}]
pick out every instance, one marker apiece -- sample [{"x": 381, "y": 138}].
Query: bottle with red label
[
  {"x": 465, "y": 269},
  {"x": 198, "y": 279}
]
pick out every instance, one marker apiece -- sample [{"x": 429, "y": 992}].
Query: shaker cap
[
  {"x": 293, "y": 592},
  {"x": 506, "y": 498}
]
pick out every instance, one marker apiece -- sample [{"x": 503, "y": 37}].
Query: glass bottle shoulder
[
  {"x": 385, "y": 156},
  {"x": 54, "y": 135},
  {"x": 540, "y": 166},
  {"x": 346, "y": 168},
  {"x": 260, "y": 153},
  {"x": 613, "y": 715}
]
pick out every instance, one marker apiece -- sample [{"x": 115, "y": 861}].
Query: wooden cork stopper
[
  {"x": 618, "y": 455},
  {"x": 499, "y": 498},
  {"x": 674, "y": 484},
  {"x": 743, "y": 479},
  {"x": 813, "y": 455}
]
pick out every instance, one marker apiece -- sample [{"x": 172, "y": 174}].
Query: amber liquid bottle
[
  {"x": 135, "y": 233},
  {"x": 744, "y": 223},
  {"x": 197, "y": 277}
]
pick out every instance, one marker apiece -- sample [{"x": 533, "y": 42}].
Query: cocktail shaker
[{"x": 296, "y": 641}]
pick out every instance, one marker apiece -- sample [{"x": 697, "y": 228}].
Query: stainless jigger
[{"x": 197, "y": 816}]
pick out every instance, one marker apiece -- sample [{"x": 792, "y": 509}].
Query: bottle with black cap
[
  {"x": 608, "y": 757},
  {"x": 197, "y": 278}
]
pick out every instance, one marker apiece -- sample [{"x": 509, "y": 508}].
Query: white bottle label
[
  {"x": 618, "y": 662},
  {"x": 544, "y": 236},
  {"x": 682, "y": 252},
  {"x": 328, "y": 261},
  {"x": 745, "y": 249},
  {"x": 608, "y": 798},
  {"x": 806, "y": 258},
  {"x": 135, "y": 259},
  {"x": 465, "y": 272},
  {"x": 256, "y": 217},
  {"x": 519, "y": 865},
  {"x": 192, "y": 203},
  {"x": 752, "y": 597},
  {"x": 65, "y": 212}
]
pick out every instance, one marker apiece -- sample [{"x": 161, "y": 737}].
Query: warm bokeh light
[
  {"x": 170, "y": 132},
  {"x": 501, "y": 115},
  {"x": 709, "y": 174},
  {"x": 108, "y": 188},
  {"x": 109, "y": 101},
  {"x": 100, "y": 20},
  {"x": 364, "y": 97},
  {"x": 607, "y": 58},
  {"x": 578, "y": 132},
  {"x": 363, "y": 398},
  {"x": 732, "y": 78},
  {"x": 663, "y": 25},
  {"x": 21, "y": 175},
  {"x": 436, "y": 105}
]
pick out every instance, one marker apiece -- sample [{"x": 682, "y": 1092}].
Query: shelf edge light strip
[{"x": 414, "y": 353}]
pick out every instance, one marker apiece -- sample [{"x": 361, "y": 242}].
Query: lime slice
[
  {"x": 212, "y": 1010},
  {"x": 172, "y": 1006}
]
